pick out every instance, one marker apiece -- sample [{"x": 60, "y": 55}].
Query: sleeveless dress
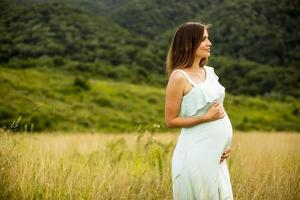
[{"x": 197, "y": 173}]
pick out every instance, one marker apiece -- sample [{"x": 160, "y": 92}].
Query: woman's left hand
[{"x": 225, "y": 154}]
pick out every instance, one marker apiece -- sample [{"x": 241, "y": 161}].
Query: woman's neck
[{"x": 195, "y": 67}]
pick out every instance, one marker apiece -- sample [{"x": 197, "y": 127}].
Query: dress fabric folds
[{"x": 197, "y": 173}]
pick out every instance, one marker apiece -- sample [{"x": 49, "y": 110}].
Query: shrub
[{"x": 81, "y": 83}]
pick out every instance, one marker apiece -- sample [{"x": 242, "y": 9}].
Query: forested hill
[
  {"x": 246, "y": 29},
  {"x": 255, "y": 43}
]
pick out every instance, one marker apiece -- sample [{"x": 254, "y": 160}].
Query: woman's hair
[{"x": 185, "y": 42}]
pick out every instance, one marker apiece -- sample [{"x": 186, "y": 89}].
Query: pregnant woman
[{"x": 194, "y": 102}]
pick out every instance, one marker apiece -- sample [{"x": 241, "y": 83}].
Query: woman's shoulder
[
  {"x": 177, "y": 74},
  {"x": 177, "y": 77}
]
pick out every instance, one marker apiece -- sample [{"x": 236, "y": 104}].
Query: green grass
[
  {"x": 50, "y": 100},
  {"x": 263, "y": 113}
]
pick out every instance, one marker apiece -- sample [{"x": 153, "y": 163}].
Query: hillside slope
[
  {"x": 48, "y": 99},
  {"x": 128, "y": 39}
]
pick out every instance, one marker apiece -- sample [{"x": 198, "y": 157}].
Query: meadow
[{"x": 137, "y": 166}]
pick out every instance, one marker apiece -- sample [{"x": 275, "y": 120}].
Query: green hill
[
  {"x": 64, "y": 31},
  {"x": 52, "y": 100},
  {"x": 257, "y": 30},
  {"x": 132, "y": 36},
  {"x": 90, "y": 65},
  {"x": 48, "y": 99}
]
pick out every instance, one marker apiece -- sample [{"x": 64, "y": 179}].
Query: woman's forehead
[{"x": 205, "y": 33}]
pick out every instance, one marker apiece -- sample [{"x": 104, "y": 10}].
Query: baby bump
[
  {"x": 201, "y": 145},
  {"x": 219, "y": 130},
  {"x": 198, "y": 158}
]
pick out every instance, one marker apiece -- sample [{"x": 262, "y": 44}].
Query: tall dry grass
[{"x": 131, "y": 166}]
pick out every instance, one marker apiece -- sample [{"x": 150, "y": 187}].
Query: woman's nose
[{"x": 209, "y": 43}]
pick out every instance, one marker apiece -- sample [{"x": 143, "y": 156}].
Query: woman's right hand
[{"x": 215, "y": 111}]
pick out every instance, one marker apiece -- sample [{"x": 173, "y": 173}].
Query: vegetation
[
  {"x": 253, "y": 79},
  {"x": 51, "y": 99},
  {"x": 90, "y": 66},
  {"x": 67, "y": 102},
  {"x": 132, "y": 36},
  {"x": 97, "y": 166},
  {"x": 92, "y": 52}
]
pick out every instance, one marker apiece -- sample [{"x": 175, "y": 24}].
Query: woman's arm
[{"x": 174, "y": 94}]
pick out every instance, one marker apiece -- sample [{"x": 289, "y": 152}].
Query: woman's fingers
[
  {"x": 215, "y": 103},
  {"x": 221, "y": 111},
  {"x": 222, "y": 114},
  {"x": 227, "y": 150},
  {"x": 225, "y": 154}
]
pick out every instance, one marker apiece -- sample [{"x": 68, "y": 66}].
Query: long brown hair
[{"x": 185, "y": 42}]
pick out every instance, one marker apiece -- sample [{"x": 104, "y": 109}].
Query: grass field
[{"x": 132, "y": 166}]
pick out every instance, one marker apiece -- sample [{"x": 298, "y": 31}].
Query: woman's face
[{"x": 204, "y": 48}]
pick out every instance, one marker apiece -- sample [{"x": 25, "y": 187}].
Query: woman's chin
[
  {"x": 204, "y": 55},
  {"x": 207, "y": 53}
]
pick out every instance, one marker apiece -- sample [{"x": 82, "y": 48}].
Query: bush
[
  {"x": 21, "y": 64},
  {"x": 81, "y": 83}
]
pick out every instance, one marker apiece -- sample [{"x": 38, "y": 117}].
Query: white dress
[{"x": 197, "y": 173}]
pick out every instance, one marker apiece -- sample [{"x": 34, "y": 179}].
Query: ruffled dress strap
[{"x": 186, "y": 76}]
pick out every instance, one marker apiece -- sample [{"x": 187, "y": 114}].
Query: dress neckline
[{"x": 192, "y": 82}]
